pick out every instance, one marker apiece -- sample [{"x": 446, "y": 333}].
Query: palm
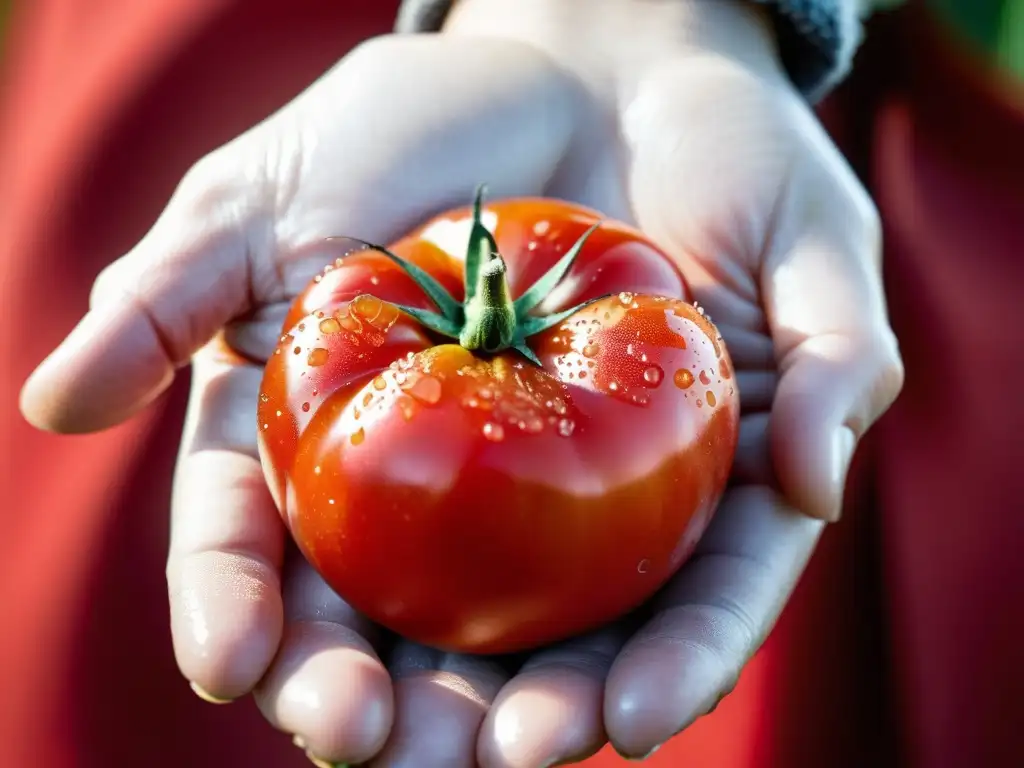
[{"x": 397, "y": 132}]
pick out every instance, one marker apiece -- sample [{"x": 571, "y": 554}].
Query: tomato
[{"x": 499, "y": 477}]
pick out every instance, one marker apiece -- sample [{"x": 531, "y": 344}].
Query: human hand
[{"x": 683, "y": 125}]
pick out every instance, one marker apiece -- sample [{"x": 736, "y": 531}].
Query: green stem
[
  {"x": 490, "y": 323},
  {"x": 488, "y": 319}
]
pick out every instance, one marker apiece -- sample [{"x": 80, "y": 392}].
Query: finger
[
  {"x": 709, "y": 621},
  {"x": 327, "y": 685},
  {"x": 151, "y": 309},
  {"x": 238, "y": 232},
  {"x": 753, "y": 462},
  {"x": 839, "y": 363},
  {"x": 440, "y": 700},
  {"x": 550, "y": 712},
  {"x": 226, "y": 536}
]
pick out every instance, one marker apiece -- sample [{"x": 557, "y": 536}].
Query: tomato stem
[
  {"x": 490, "y": 314},
  {"x": 488, "y": 319}
]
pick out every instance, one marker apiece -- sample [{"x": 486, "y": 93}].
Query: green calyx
[{"x": 489, "y": 320}]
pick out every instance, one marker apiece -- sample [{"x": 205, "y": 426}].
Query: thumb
[
  {"x": 152, "y": 308},
  {"x": 838, "y": 359}
]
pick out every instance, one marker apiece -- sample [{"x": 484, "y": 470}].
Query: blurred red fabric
[{"x": 899, "y": 646}]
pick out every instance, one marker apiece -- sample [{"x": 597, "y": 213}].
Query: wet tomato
[{"x": 490, "y": 448}]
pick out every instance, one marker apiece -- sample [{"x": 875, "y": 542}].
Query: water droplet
[
  {"x": 330, "y": 325},
  {"x": 711, "y": 398},
  {"x": 297, "y": 350},
  {"x": 264, "y": 397},
  {"x": 318, "y": 356},
  {"x": 591, "y": 350},
  {"x": 725, "y": 369},
  {"x": 317, "y": 470},
  {"x": 704, "y": 377},
  {"x": 305, "y": 407},
  {"x": 374, "y": 280},
  {"x": 426, "y": 389},
  {"x": 558, "y": 406},
  {"x": 566, "y": 427},
  {"x": 302, "y": 327},
  {"x": 643, "y": 566},
  {"x": 534, "y": 424},
  {"x": 367, "y": 399},
  {"x": 640, "y": 398},
  {"x": 583, "y": 374},
  {"x": 379, "y": 383},
  {"x": 494, "y": 432},
  {"x": 654, "y": 375},
  {"x": 407, "y": 407},
  {"x": 376, "y": 312},
  {"x": 626, "y": 298},
  {"x": 683, "y": 378},
  {"x": 315, "y": 392},
  {"x": 358, "y": 436},
  {"x": 700, "y": 403},
  {"x": 278, "y": 414},
  {"x": 613, "y": 386},
  {"x": 349, "y": 323},
  {"x": 541, "y": 228},
  {"x": 266, "y": 426}
]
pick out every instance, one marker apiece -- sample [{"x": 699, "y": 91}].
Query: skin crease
[
  {"x": 675, "y": 117},
  {"x": 551, "y": 500}
]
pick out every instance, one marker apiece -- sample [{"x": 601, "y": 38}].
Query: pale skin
[{"x": 674, "y": 116}]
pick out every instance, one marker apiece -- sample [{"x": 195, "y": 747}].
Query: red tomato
[{"x": 481, "y": 502}]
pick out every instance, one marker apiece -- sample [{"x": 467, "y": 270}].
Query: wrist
[{"x": 615, "y": 37}]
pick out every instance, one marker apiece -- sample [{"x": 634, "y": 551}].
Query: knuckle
[{"x": 891, "y": 374}]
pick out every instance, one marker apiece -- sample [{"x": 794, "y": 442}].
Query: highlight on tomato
[{"x": 509, "y": 427}]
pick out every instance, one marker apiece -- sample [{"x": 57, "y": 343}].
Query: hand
[{"x": 675, "y": 116}]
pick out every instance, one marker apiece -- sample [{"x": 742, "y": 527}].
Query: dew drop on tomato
[
  {"x": 641, "y": 399},
  {"x": 330, "y": 325},
  {"x": 683, "y": 378},
  {"x": 407, "y": 407},
  {"x": 425, "y": 389},
  {"x": 654, "y": 375},
  {"x": 494, "y": 432},
  {"x": 318, "y": 356}
]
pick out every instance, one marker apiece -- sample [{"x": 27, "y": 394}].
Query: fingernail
[
  {"x": 644, "y": 757},
  {"x": 208, "y": 697},
  {"x": 717, "y": 701},
  {"x": 324, "y": 763}
]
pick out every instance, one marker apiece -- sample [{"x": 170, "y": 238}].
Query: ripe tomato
[{"x": 463, "y": 495}]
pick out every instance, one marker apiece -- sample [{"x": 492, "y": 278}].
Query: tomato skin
[{"x": 484, "y": 504}]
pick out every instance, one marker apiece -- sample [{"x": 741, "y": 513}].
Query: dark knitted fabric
[{"x": 817, "y": 38}]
